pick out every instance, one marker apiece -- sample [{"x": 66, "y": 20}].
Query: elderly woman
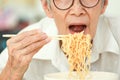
[{"x": 32, "y": 54}]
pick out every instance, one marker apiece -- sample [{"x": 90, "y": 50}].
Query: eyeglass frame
[{"x": 73, "y": 3}]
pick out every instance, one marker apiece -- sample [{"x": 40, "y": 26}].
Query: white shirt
[{"x": 50, "y": 59}]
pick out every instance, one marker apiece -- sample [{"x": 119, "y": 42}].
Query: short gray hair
[
  {"x": 103, "y": 1},
  {"x": 48, "y": 1}
]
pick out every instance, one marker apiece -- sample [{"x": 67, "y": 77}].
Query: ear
[
  {"x": 46, "y": 8},
  {"x": 104, "y": 6}
]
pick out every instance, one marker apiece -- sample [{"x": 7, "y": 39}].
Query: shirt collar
[{"x": 104, "y": 40}]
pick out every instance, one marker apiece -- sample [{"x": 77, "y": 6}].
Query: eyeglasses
[{"x": 66, "y": 4}]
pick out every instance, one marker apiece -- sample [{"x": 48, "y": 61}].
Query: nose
[{"x": 77, "y": 9}]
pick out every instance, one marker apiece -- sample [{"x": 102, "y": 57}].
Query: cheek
[
  {"x": 94, "y": 17},
  {"x": 93, "y": 25},
  {"x": 60, "y": 23},
  {"x": 59, "y": 19}
]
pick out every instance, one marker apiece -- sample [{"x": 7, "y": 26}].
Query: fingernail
[
  {"x": 48, "y": 40},
  {"x": 44, "y": 36}
]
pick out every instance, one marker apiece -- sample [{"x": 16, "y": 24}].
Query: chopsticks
[
  {"x": 58, "y": 37},
  {"x": 8, "y": 35}
]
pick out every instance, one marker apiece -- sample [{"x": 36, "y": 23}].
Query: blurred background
[{"x": 17, "y": 14}]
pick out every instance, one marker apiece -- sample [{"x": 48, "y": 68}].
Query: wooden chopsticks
[{"x": 58, "y": 37}]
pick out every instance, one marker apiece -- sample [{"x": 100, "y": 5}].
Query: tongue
[{"x": 76, "y": 28}]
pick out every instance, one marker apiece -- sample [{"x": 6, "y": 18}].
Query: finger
[
  {"x": 33, "y": 47},
  {"x": 18, "y": 58},
  {"x": 26, "y": 41},
  {"x": 30, "y": 40},
  {"x": 26, "y": 59},
  {"x": 23, "y": 35}
]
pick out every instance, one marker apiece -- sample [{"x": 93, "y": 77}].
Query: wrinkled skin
[{"x": 21, "y": 49}]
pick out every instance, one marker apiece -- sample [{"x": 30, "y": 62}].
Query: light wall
[{"x": 113, "y": 8}]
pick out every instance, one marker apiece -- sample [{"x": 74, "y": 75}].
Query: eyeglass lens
[{"x": 65, "y": 4}]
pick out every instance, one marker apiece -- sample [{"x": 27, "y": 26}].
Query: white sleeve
[
  {"x": 3, "y": 59},
  {"x": 43, "y": 24}
]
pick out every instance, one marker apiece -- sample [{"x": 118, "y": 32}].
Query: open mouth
[{"x": 76, "y": 28}]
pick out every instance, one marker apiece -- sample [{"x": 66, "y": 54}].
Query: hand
[{"x": 21, "y": 50}]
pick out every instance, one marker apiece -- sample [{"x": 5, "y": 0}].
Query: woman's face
[{"x": 77, "y": 18}]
